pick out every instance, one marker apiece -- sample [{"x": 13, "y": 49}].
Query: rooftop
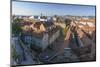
[{"x": 40, "y": 33}]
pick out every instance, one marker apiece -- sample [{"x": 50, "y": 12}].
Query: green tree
[
  {"x": 65, "y": 30},
  {"x": 16, "y": 28},
  {"x": 17, "y": 20},
  {"x": 67, "y": 21}
]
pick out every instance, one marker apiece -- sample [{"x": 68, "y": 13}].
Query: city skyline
[{"x": 50, "y": 9}]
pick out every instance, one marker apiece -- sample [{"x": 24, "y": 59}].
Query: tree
[
  {"x": 17, "y": 20},
  {"x": 65, "y": 30},
  {"x": 16, "y": 29},
  {"x": 67, "y": 21}
]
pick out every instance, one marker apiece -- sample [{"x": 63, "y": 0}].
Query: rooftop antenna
[{"x": 41, "y": 14}]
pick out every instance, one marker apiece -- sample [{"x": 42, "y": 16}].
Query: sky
[{"x": 50, "y": 9}]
